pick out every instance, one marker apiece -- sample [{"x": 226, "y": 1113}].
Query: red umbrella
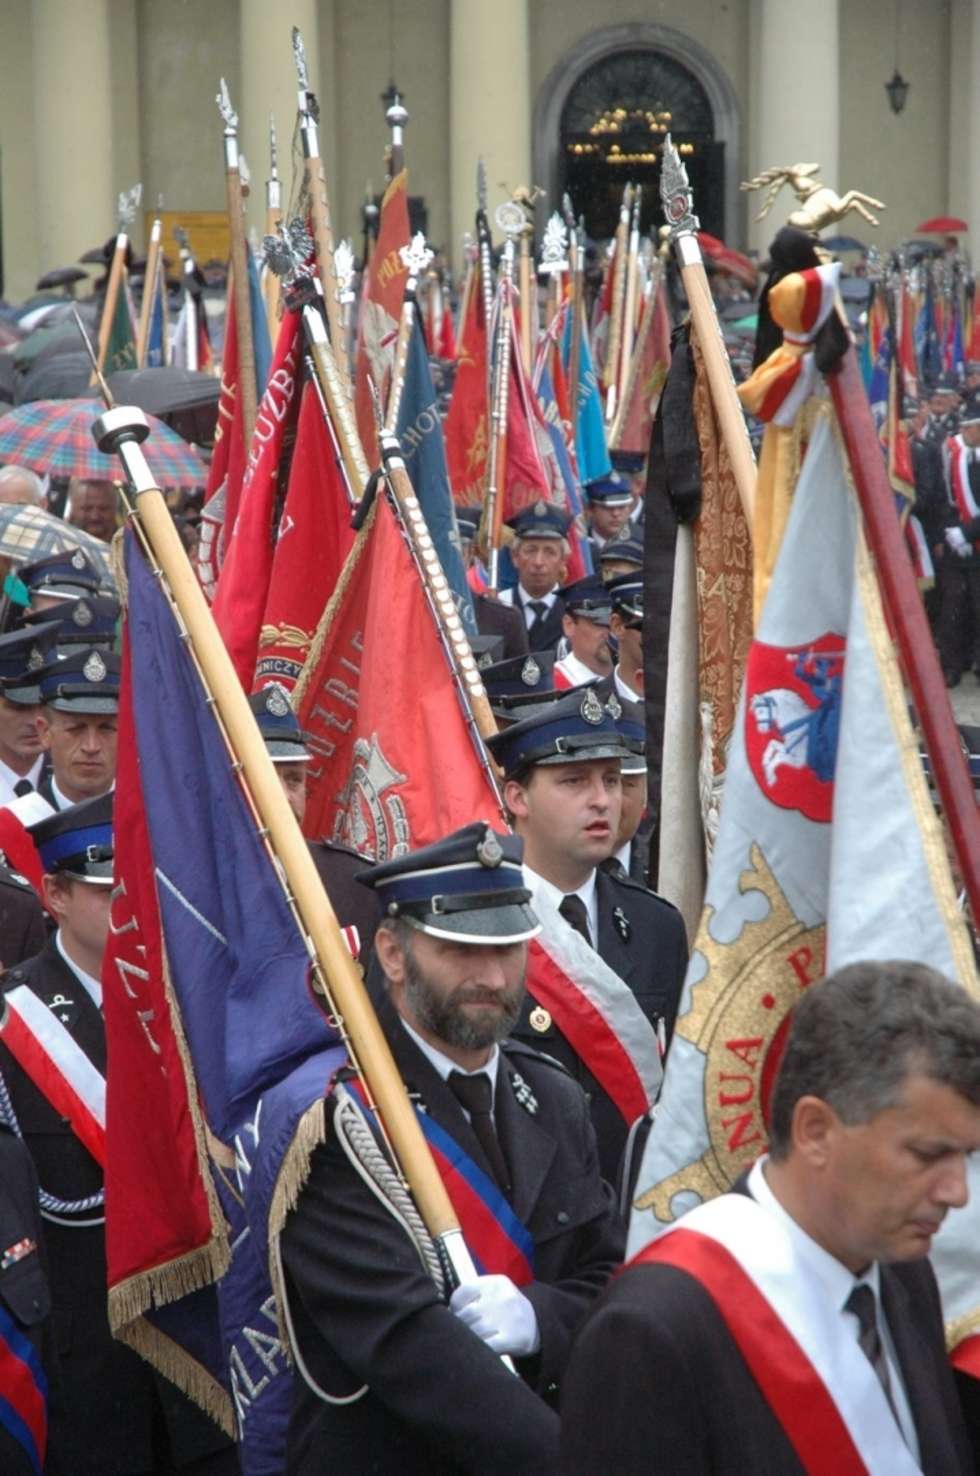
[
  {"x": 942, "y": 225},
  {"x": 728, "y": 260}
]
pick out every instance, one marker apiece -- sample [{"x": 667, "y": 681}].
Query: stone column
[
  {"x": 490, "y": 105},
  {"x": 796, "y": 98},
  {"x": 72, "y": 129},
  {"x": 268, "y": 85},
  {"x": 973, "y": 135}
]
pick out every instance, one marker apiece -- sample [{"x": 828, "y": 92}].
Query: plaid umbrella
[
  {"x": 28, "y": 533},
  {"x": 55, "y": 436}
]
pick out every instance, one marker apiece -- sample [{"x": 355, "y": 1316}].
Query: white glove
[
  {"x": 493, "y": 1308},
  {"x": 958, "y": 543}
]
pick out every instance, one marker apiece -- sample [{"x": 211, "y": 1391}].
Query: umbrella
[
  {"x": 28, "y": 533},
  {"x": 54, "y": 377},
  {"x": 186, "y": 400},
  {"x": 842, "y": 243},
  {"x": 55, "y": 436},
  {"x": 942, "y": 225}
]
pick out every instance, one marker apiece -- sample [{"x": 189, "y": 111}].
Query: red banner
[
  {"x": 381, "y": 306},
  {"x": 314, "y": 540},
  {"x": 467, "y": 426},
  {"x": 227, "y": 463},
  {"x": 244, "y": 579},
  {"x": 653, "y": 348},
  {"x": 395, "y": 766}
]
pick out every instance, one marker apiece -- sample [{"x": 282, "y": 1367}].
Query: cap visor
[{"x": 515, "y": 923}]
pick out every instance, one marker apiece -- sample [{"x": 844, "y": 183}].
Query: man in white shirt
[
  {"x": 22, "y": 652},
  {"x": 585, "y": 625},
  {"x": 803, "y": 1300},
  {"x": 79, "y": 720},
  {"x": 626, "y": 628},
  {"x": 540, "y": 554}
]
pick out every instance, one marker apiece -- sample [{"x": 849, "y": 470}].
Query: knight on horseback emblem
[{"x": 792, "y": 721}]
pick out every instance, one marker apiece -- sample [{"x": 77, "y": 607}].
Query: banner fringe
[
  {"x": 311, "y": 1131},
  {"x": 191, "y": 1377}
]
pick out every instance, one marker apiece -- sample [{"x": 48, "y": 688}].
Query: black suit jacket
[
  {"x": 493, "y": 618},
  {"x": 438, "y": 1401},
  {"x": 547, "y": 633},
  {"x": 112, "y": 1409},
  {"x": 642, "y": 938},
  {"x": 23, "y": 931},
  {"x": 678, "y": 1399}
]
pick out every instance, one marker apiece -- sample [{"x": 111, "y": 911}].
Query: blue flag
[
  {"x": 591, "y": 451},
  {"x": 156, "y": 348},
  {"x": 238, "y": 964},
  {"x": 880, "y": 380},
  {"x": 552, "y": 420},
  {"x": 261, "y": 343},
  {"x": 419, "y": 429}
]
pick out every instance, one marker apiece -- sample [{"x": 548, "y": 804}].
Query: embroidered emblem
[
  {"x": 65, "y": 1009},
  {"x": 614, "y": 708},
  {"x": 523, "y": 1093},
  {"x": 95, "y": 668},
  {"x": 82, "y": 614},
  {"x": 17, "y": 1252},
  {"x": 540, "y": 1019},
  {"x": 530, "y": 672},
  {"x": 623, "y": 926},
  {"x": 276, "y": 701},
  {"x": 489, "y": 852},
  {"x": 591, "y": 707}
]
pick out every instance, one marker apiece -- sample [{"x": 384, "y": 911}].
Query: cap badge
[
  {"x": 530, "y": 672},
  {"x": 95, "y": 669},
  {"x": 591, "y": 707},
  {"x": 82, "y": 613},
  {"x": 489, "y": 852},
  {"x": 540, "y": 509},
  {"x": 484, "y": 660},
  {"x": 36, "y": 659},
  {"x": 78, "y": 559},
  {"x": 276, "y": 701},
  {"x": 614, "y": 708},
  {"x": 540, "y": 1020}
]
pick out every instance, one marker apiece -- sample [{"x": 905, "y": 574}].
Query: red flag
[
  {"x": 227, "y": 464},
  {"x": 602, "y": 312},
  {"x": 906, "y": 342},
  {"x": 901, "y": 472},
  {"x": 651, "y": 358},
  {"x": 527, "y": 476},
  {"x": 314, "y": 540},
  {"x": 395, "y": 765},
  {"x": 467, "y": 424},
  {"x": 445, "y": 344},
  {"x": 243, "y": 583},
  {"x": 381, "y": 306},
  {"x": 164, "y": 1231}
]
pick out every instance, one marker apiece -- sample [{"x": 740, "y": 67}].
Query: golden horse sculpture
[{"x": 820, "y": 206}]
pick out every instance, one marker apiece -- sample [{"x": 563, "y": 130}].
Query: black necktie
[
  {"x": 862, "y": 1303},
  {"x": 574, "y": 912},
  {"x": 22, "y": 787},
  {"x": 475, "y": 1094},
  {"x": 540, "y": 610}
]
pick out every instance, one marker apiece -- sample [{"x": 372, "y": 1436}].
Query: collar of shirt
[
  {"x": 547, "y": 600},
  {"x": 445, "y": 1065},
  {"x": 587, "y": 892},
  {"x": 624, "y": 856},
  {"x": 576, "y": 670},
  {"x": 62, "y": 802},
  {"x": 622, "y": 689},
  {"x": 9, "y": 777},
  {"x": 92, "y": 986}
]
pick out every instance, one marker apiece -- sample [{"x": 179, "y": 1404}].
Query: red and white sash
[
  {"x": 592, "y": 1007},
  {"x": 816, "y": 1380},
  {"x": 57, "y": 1066},
  {"x": 959, "y": 481}
]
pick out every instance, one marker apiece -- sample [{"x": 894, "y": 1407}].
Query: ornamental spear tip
[
  {"x": 225, "y": 108},
  {"x": 299, "y": 57},
  {"x": 273, "y": 148},
  {"x": 675, "y": 193}
]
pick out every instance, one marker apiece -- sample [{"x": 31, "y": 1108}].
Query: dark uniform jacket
[
  {"x": 642, "y": 939},
  {"x": 111, "y": 1401},
  {"x": 677, "y": 1397},
  {"x": 24, "y": 1295},
  {"x": 355, "y": 905},
  {"x": 23, "y": 931},
  {"x": 547, "y": 633},
  {"x": 438, "y": 1402},
  {"x": 494, "y": 618}
]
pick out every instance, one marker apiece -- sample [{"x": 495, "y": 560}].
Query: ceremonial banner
[
  {"x": 648, "y": 372},
  {"x": 826, "y": 820},
  {"x": 395, "y": 764},
  {"x": 591, "y": 452},
  {"x": 227, "y": 465},
  {"x": 313, "y": 540},
  {"x": 467, "y": 426},
  {"x": 419, "y": 430},
  {"x": 243, "y": 583},
  {"x": 580, "y": 562},
  {"x": 380, "y": 311},
  {"x": 121, "y": 348}
]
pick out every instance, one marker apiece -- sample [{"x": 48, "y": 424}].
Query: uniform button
[
  {"x": 562, "y": 1217},
  {"x": 588, "y": 1098},
  {"x": 36, "y": 1304},
  {"x": 552, "y": 1388}
]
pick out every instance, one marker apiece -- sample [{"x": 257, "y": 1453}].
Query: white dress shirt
[
  {"x": 575, "y": 670},
  {"x": 519, "y": 598},
  {"x": 9, "y": 778},
  {"x": 586, "y": 892},
  {"x": 623, "y": 690},
  {"x": 445, "y": 1065},
  {"x": 838, "y": 1283},
  {"x": 91, "y": 985}
]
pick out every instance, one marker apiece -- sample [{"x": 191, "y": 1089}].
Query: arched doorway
[
  {"x": 612, "y": 97},
  {"x": 613, "y": 125}
]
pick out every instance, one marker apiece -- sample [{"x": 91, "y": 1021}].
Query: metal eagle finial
[
  {"x": 129, "y": 201},
  {"x": 228, "y": 114},
  {"x": 416, "y": 255}
]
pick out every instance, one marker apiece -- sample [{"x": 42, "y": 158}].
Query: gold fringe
[
  {"x": 326, "y": 619},
  {"x": 155, "y": 1287},
  {"x": 191, "y": 1377},
  {"x": 311, "y": 1131}
]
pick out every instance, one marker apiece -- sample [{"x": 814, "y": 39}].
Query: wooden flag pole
[
  {"x": 628, "y": 329},
  {"x": 316, "y": 184},
  {"x": 128, "y": 205},
  {"x": 510, "y": 218},
  {"x": 610, "y": 370},
  {"x": 415, "y": 258},
  {"x": 151, "y": 286},
  {"x": 576, "y": 257},
  {"x": 239, "y": 267},
  {"x": 273, "y": 215},
  {"x": 675, "y": 193},
  {"x": 121, "y": 430},
  {"x": 906, "y": 612}
]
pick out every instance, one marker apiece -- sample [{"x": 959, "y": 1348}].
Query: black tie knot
[
  {"x": 475, "y": 1095},
  {"x": 575, "y": 913},
  {"x": 539, "y": 609},
  {"x": 22, "y": 787}
]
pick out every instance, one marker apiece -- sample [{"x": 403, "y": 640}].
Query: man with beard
[{"x": 394, "y": 1373}]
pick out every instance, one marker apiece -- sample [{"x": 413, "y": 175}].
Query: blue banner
[
  {"x": 552, "y": 420},
  {"x": 261, "y": 343},
  {"x": 591, "y": 451}
]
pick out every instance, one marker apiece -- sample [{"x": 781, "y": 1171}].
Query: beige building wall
[{"x": 17, "y": 161}]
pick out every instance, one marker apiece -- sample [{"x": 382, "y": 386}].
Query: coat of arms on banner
[{"x": 792, "y": 720}]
